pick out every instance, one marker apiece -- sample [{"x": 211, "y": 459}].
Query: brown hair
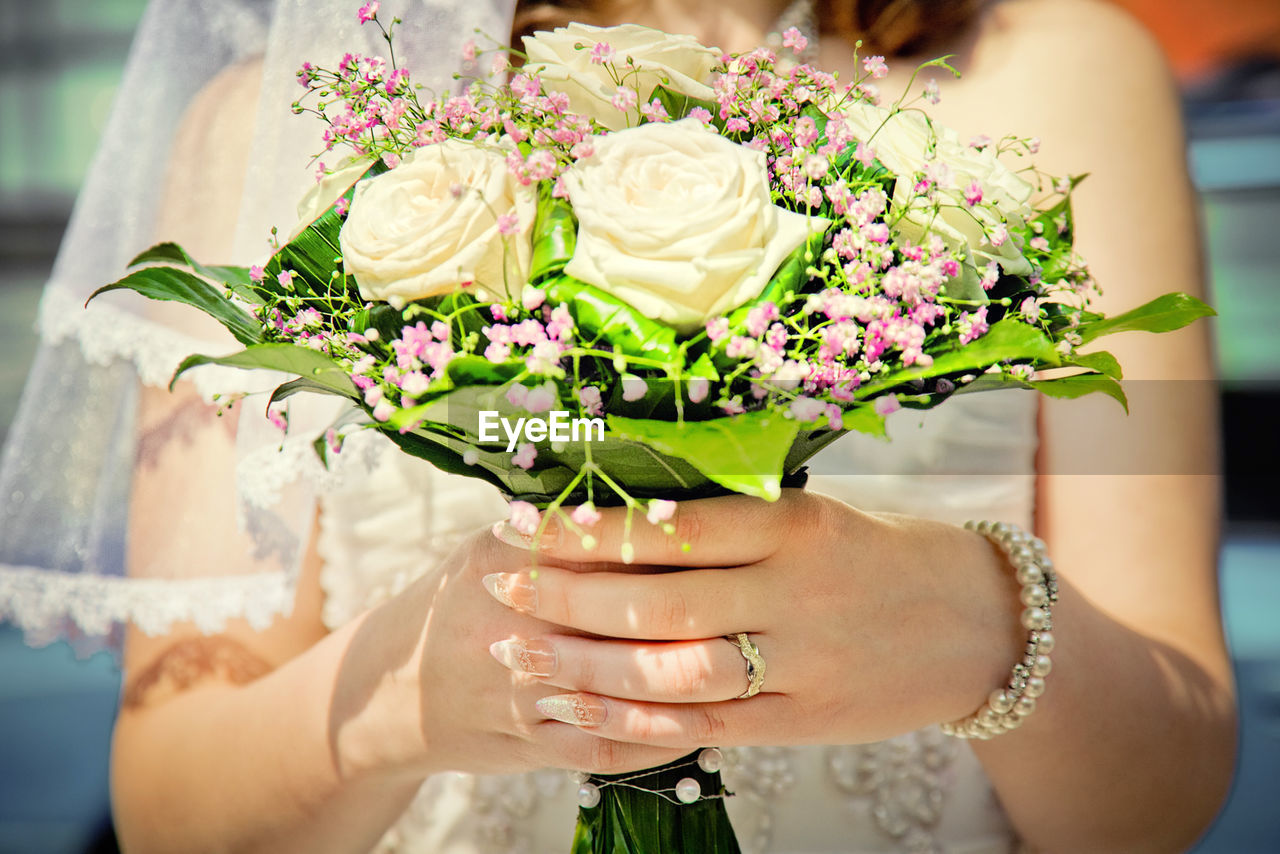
[{"x": 892, "y": 27}]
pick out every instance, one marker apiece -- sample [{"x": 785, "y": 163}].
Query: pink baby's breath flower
[
  {"x": 517, "y": 394},
  {"x": 368, "y": 11},
  {"x": 654, "y": 111},
  {"x": 333, "y": 440},
  {"x": 531, "y": 298},
  {"x": 278, "y": 416},
  {"x": 525, "y": 518},
  {"x": 816, "y": 166},
  {"x": 980, "y": 142},
  {"x": 972, "y": 325},
  {"x": 469, "y": 50},
  {"x": 341, "y": 206},
  {"x": 717, "y": 328},
  {"x": 698, "y": 388},
  {"x": 660, "y": 510},
  {"x": 585, "y": 515},
  {"x": 633, "y": 388},
  {"x": 931, "y": 92},
  {"x": 1040, "y": 243},
  {"x": 806, "y": 133},
  {"x": 384, "y": 410},
  {"x": 701, "y": 114},
  {"x": 601, "y": 53},
  {"x": 285, "y": 279},
  {"x": 508, "y": 223},
  {"x": 795, "y": 40},
  {"x": 737, "y": 124},
  {"x": 998, "y": 235},
  {"x": 887, "y": 404},
  {"x": 624, "y": 99},
  {"x": 807, "y": 409},
  {"x": 875, "y": 66},
  {"x": 835, "y": 417},
  {"x": 1029, "y": 310},
  {"x": 525, "y": 455},
  {"x": 1033, "y": 145},
  {"x": 541, "y": 399},
  {"x": 256, "y": 273},
  {"x": 589, "y": 397},
  {"x": 973, "y": 193}
]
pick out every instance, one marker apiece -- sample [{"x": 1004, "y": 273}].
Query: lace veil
[{"x": 66, "y": 469}]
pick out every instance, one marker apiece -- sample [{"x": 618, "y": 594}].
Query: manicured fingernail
[
  {"x": 577, "y": 709},
  {"x": 548, "y": 539},
  {"x": 536, "y": 657},
  {"x": 512, "y": 590}
]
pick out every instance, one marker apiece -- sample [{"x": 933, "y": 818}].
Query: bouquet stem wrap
[{"x": 641, "y": 813}]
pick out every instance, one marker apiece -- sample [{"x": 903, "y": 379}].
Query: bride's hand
[
  {"x": 417, "y": 692},
  {"x": 870, "y": 625}
]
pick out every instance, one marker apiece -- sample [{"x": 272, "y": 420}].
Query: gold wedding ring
[{"x": 755, "y": 663}]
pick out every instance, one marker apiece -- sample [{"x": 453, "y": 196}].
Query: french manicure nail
[
  {"x": 535, "y": 657},
  {"x": 577, "y": 709},
  {"x": 514, "y": 591},
  {"x": 548, "y": 539}
]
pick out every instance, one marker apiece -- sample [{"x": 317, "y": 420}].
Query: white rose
[
  {"x": 676, "y": 221},
  {"x": 901, "y": 142},
  {"x": 562, "y": 59},
  {"x": 328, "y": 190},
  {"x": 432, "y": 224}
]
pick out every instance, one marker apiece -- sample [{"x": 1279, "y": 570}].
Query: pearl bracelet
[{"x": 1009, "y": 706}]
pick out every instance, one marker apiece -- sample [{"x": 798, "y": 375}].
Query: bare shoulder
[
  {"x": 1078, "y": 50},
  {"x": 206, "y": 169}
]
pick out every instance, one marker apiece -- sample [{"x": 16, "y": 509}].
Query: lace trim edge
[{"x": 39, "y": 601}]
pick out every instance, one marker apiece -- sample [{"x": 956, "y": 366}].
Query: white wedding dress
[
  {"x": 920, "y": 792},
  {"x": 387, "y": 517}
]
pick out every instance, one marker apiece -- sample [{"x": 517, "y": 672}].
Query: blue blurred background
[{"x": 60, "y": 62}]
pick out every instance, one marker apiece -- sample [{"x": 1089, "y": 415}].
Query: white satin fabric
[{"x": 921, "y": 792}]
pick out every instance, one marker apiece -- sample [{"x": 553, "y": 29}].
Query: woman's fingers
[
  {"x": 701, "y": 671},
  {"x": 730, "y": 531},
  {"x": 766, "y": 718},
  {"x": 688, "y": 605},
  {"x": 576, "y": 749}
]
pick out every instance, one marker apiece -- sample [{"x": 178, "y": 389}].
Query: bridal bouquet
[{"x": 629, "y": 269}]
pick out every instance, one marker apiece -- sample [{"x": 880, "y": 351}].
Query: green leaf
[
  {"x": 174, "y": 285},
  {"x": 292, "y": 387},
  {"x": 744, "y": 453},
  {"x": 1070, "y": 387},
  {"x": 679, "y": 105},
  {"x": 1100, "y": 361},
  {"x": 1078, "y": 385},
  {"x": 555, "y": 234},
  {"x": 289, "y": 358},
  {"x": 790, "y": 277},
  {"x": 1006, "y": 339},
  {"x": 604, "y": 318},
  {"x": 313, "y": 255},
  {"x": 1165, "y": 313},
  {"x": 235, "y": 278}
]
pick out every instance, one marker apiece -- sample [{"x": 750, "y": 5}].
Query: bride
[{"x": 420, "y": 680}]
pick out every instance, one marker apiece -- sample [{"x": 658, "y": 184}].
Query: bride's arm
[{"x": 1142, "y": 716}]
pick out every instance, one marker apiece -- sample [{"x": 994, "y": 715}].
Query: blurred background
[{"x": 60, "y": 61}]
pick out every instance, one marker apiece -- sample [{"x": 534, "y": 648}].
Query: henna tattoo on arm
[{"x": 190, "y": 662}]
